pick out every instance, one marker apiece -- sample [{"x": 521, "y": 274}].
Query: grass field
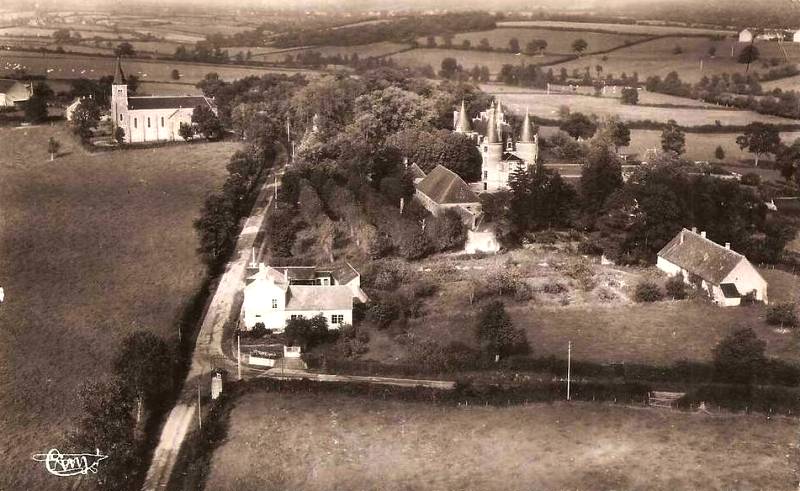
[
  {"x": 363, "y": 51},
  {"x": 656, "y": 57},
  {"x": 92, "y": 247},
  {"x": 547, "y": 106},
  {"x": 558, "y": 41},
  {"x": 310, "y": 442},
  {"x": 77, "y": 66},
  {"x": 467, "y": 58},
  {"x": 617, "y": 28}
]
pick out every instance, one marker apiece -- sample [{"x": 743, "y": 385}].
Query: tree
[
  {"x": 676, "y": 287},
  {"x": 449, "y": 68},
  {"x": 36, "y": 105},
  {"x": 216, "y": 227},
  {"x": 647, "y": 291},
  {"x": 206, "y": 122},
  {"x": 787, "y": 159},
  {"x": 61, "y": 36},
  {"x": 630, "y": 95},
  {"x": 307, "y": 333},
  {"x": 513, "y": 45},
  {"x": 186, "y": 131},
  {"x": 719, "y": 153},
  {"x": 53, "y": 146},
  {"x": 124, "y": 49},
  {"x": 484, "y": 45},
  {"x": 601, "y": 176},
  {"x": 712, "y": 51},
  {"x": 119, "y": 134},
  {"x": 759, "y": 139},
  {"x": 540, "y": 199},
  {"x": 739, "y": 357},
  {"x": 497, "y": 334},
  {"x": 144, "y": 362},
  {"x": 578, "y": 125},
  {"x": 85, "y": 118},
  {"x": 673, "y": 139},
  {"x": 579, "y": 46},
  {"x": 447, "y": 232},
  {"x": 748, "y": 55},
  {"x": 175, "y": 74}
]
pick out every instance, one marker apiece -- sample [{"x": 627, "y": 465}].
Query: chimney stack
[
  {"x": 728, "y": 245},
  {"x": 286, "y": 274},
  {"x": 703, "y": 234},
  {"x": 694, "y": 229}
]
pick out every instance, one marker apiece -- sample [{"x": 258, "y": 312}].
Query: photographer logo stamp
[{"x": 70, "y": 464}]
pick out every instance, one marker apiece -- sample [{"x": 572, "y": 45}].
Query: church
[
  {"x": 500, "y": 152},
  {"x": 150, "y": 118}
]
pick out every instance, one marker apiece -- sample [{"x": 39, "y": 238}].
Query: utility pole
[
  {"x": 239, "y": 355},
  {"x": 569, "y": 365},
  {"x": 199, "y": 409}
]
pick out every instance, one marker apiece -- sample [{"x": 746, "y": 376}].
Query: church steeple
[
  {"x": 119, "y": 77},
  {"x": 462, "y": 124},
  {"x": 526, "y": 136}
]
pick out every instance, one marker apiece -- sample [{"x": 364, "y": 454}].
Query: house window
[
  {"x": 135, "y": 123},
  {"x": 486, "y": 174},
  {"x": 120, "y": 118},
  {"x": 485, "y": 148},
  {"x": 294, "y": 316},
  {"x": 274, "y": 303},
  {"x": 148, "y": 121},
  {"x": 337, "y": 319},
  {"x": 485, "y": 186},
  {"x": 162, "y": 121}
]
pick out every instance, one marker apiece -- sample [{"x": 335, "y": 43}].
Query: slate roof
[
  {"x": 172, "y": 102},
  {"x": 703, "y": 257},
  {"x": 510, "y": 157},
  {"x": 6, "y": 84},
  {"x": 302, "y": 297},
  {"x": 444, "y": 186},
  {"x": 342, "y": 272},
  {"x": 416, "y": 172}
]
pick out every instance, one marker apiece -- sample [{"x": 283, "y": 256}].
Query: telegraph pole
[{"x": 569, "y": 365}]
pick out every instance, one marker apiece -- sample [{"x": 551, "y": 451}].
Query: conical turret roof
[
  {"x": 526, "y": 136},
  {"x": 119, "y": 77},
  {"x": 462, "y": 125},
  {"x": 491, "y": 127}
]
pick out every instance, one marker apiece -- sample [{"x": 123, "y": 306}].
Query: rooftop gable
[
  {"x": 701, "y": 256},
  {"x": 319, "y": 298},
  {"x": 444, "y": 186}
]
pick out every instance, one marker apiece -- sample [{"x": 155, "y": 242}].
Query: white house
[
  {"x": 150, "y": 118},
  {"x": 13, "y": 92},
  {"x": 796, "y": 36},
  {"x": 746, "y": 36},
  {"x": 274, "y": 295},
  {"x": 724, "y": 274}
]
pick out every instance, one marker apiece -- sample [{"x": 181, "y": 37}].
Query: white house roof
[{"x": 319, "y": 298}]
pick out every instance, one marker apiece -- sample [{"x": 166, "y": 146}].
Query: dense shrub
[
  {"x": 352, "y": 341},
  {"x": 647, "y": 291},
  {"x": 744, "y": 398},
  {"x": 782, "y": 314},
  {"x": 382, "y": 313},
  {"x": 589, "y": 248},
  {"x": 505, "y": 283},
  {"x": 675, "y": 287},
  {"x": 554, "y": 288},
  {"x": 751, "y": 179},
  {"x": 582, "y": 271}
]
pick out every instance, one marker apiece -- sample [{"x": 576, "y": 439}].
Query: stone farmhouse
[
  {"x": 724, "y": 274},
  {"x": 150, "y": 118},
  {"x": 274, "y": 295},
  {"x": 443, "y": 189},
  {"x": 501, "y": 152},
  {"x": 14, "y": 92}
]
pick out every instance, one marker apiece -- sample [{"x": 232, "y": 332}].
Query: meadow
[
  {"x": 363, "y": 51},
  {"x": 92, "y": 247},
  {"x": 615, "y": 28},
  {"x": 77, "y": 66},
  {"x": 467, "y": 58},
  {"x": 308, "y": 442},
  {"x": 658, "y": 57},
  {"x": 558, "y": 41},
  {"x": 548, "y": 105}
]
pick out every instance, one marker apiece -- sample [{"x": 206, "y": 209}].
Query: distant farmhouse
[
  {"x": 724, "y": 274},
  {"x": 747, "y": 35},
  {"x": 501, "y": 154},
  {"x": 14, "y": 92},
  {"x": 275, "y": 295},
  {"x": 150, "y": 118}
]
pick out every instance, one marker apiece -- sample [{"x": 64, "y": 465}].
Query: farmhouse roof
[
  {"x": 7, "y": 84},
  {"x": 119, "y": 77},
  {"x": 526, "y": 136},
  {"x": 342, "y": 272},
  {"x": 462, "y": 125},
  {"x": 444, "y": 186},
  {"x": 318, "y": 298},
  {"x": 416, "y": 172},
  {"x": 169, "y": 102},
  {"x": 701, "y": 256}
]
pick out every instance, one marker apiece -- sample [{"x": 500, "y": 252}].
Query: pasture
[
  {"x": 77, "y": 66},
  {"x": 92, "y": 247},
  {"x": 308, "y": 442},
  {"x": 363, "y": 51},
  {"x": 548, "y": 105},
  {"x": 640, "y": 29},
  {"x": 658, "y": 57},
  {"x": 558, "y": 41},
  {"x": 467, "y": 58}
]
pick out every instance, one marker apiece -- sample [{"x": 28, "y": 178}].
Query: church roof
[
  {"x": 171, "y": 102},
  {"x": 701, "y": 256},
  {"x": 526, "y": 136},
  {"x": 119, "y": 77},
  {"x": 444, "y": 186},
  {"x": 462, "y": 125}
]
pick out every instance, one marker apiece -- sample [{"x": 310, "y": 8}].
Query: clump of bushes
[
  {"x": 554, "y": 288},
  {"x": 782, "y": 314},
  {"x": 676, "y": 288},
  {"x": 382, "y": 313},
  {"x": 581, "y": 271},
  {"x": 353, "y": 341},
  {"x": 647, "y": 291},
  {"x": 589, "y": 248},
  {"x": 506, "y": 284},
  {"x": 751, "y": 179}
]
